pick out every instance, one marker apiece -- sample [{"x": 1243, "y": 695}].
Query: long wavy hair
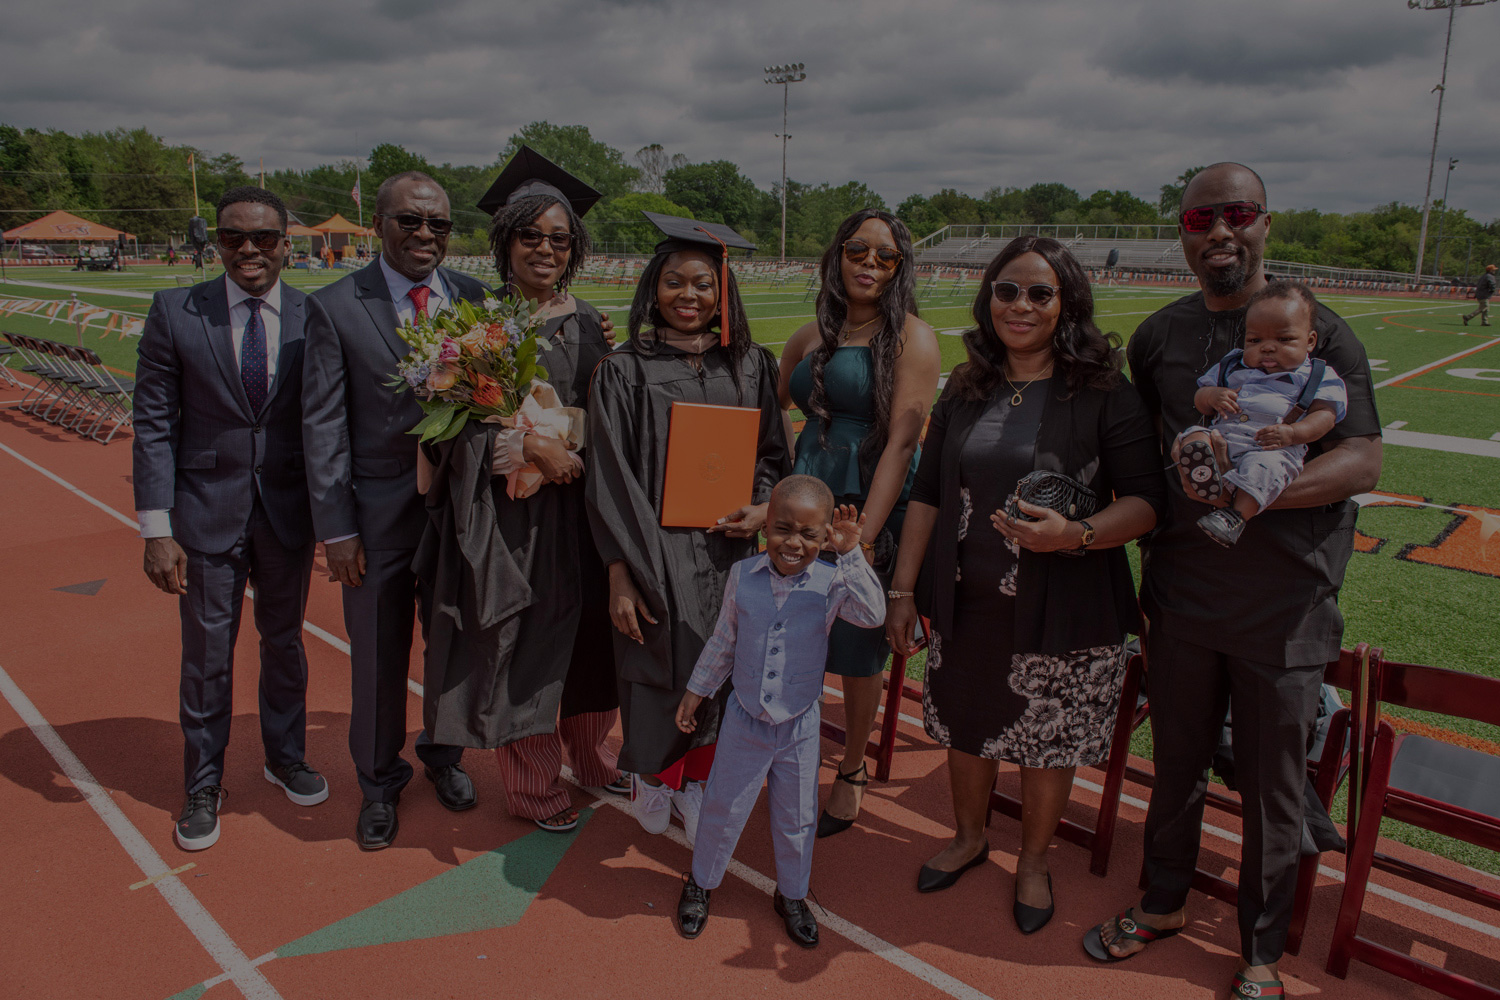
[
  {"x": 524, "y": 212},
  {"x": 1083, "y": 355},
  {"x": 897, "y": 300},
  {"x": 646, "y": 317}
]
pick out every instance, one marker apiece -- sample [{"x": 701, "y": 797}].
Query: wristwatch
[
  {"x": 896, "y": 595},
  {"x": 1088, "y": 536}
]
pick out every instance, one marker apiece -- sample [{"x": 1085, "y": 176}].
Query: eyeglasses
[
  {"x": 1040, "y": 294},
  {"x": 411, "y": 223},
  {"x": 265, "y": 240},
  {"x": 532, "y": 238},
  {"x": 1236, "y": 215},
  {"x": 858, "y": 251}
]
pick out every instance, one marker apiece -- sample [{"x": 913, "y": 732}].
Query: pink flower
[{"x": 448, "y": 350}]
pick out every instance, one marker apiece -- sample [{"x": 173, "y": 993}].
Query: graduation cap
[
  {"x": 528, "y": 173},
  {"x": 708, "y": 237}
]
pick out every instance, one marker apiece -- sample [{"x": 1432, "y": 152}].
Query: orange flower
[
  {"x": 441, "y": 379},
  {"x": 487, "y": 391},
  {"x": 495, "y": 336}
]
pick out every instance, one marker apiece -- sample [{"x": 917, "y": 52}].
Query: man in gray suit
[
  {"x": 362, "y": 467},
  {"x": 222, "y": 498}
]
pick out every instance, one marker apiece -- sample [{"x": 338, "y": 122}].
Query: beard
[{"x": 1224, "y": 281}]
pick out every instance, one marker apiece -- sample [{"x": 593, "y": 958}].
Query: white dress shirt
[{"x": 158, "y": 523}]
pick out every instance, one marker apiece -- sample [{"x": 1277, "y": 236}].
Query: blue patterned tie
[{"x": 253, "y": 358}]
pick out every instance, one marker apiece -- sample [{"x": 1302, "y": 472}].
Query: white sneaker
[
  {"x": 651, "y": 804},
  {"x": 688, "y": 804}
]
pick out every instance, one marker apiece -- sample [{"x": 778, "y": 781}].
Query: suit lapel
[
  {"x": 213, "y": 306},
  {"x": 376, "y": 296},
  {"x": 293, "y": 313}
]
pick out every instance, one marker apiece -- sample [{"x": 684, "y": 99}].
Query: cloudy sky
[{"x": 1330, "y": 99}]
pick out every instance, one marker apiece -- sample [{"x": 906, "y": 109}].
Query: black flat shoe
[
  {"x": 931, "y": 880},
  {"x": 1031, "y": 919},
  {"x": 377, "y": 825},
  {"x": 828, "y": 824},
  {"x": 692, "y": 907},
  {"x": 801, "y": 925},
  {"x": 454, "y": 789}
]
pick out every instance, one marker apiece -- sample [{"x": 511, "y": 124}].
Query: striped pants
[{"x": 532, "y": 767}]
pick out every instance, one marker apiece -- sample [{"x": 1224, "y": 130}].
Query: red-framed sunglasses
[{"x": 1236, "y": 215}]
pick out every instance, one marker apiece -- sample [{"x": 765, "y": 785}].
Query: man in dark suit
[
  {"x": 363, "y": 479},
  {"x": 221, "y": 497}
]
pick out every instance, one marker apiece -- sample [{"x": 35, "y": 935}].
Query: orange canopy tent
[
  {"x": 296, "y": 230},
  {"x": 338, "y": 224},
  {"x": 61, "y": 227}
]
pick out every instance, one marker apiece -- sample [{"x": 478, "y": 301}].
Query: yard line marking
[
  {"x": 1436, "y": 364},
  {"x": 157, "y": 878},
  {"x": 189, "y": 910},
  {"x": 123, "y": 293},
  {"x": 1444, "y": 442},
  {"x": 1395, "y": 425}
]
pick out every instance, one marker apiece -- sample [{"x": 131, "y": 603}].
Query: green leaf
[{"x": 437, "y": 420}]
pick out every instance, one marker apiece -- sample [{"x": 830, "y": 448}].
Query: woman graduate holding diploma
[{"x": 689, "y": 342}]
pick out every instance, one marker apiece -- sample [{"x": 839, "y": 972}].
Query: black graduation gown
[
  {"x": 520, "y": 621},
  {"x": 680, "y": 572}
]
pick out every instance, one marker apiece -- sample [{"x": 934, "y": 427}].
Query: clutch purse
[{"x": 1055, "y": 491}]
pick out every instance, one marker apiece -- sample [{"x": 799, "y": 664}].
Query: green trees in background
[{"x": 133, "y": 180}]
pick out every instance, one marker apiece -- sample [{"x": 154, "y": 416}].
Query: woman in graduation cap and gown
[
  {"x": 689, "y": 342},
  {"x": 501, "y": 676}
]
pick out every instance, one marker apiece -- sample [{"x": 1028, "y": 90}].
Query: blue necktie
[{"x": 253, "y": 372}]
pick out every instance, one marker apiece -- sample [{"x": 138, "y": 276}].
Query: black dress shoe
[
  {"x": 454, "y": 789},
  {"x": 1031, "y": 919},
  {"x": 801, "y": 925},
  {"x": 377, "y": 825},
  {"x": 692, "y": 907},
  {"x": 931, "y": 880}
]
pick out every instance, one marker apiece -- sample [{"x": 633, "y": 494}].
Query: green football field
[{"x": 1423, "y": 581}]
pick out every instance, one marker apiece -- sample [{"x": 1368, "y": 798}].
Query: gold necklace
[
  {"x": 844, "y": 337},
  {"x": 1015, "y": 400}
]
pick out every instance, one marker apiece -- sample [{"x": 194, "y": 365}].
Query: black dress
[
  {"x": 983, "y": 695},
  {"x": 680, "y": 572}
]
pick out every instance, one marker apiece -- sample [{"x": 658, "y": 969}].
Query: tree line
[{"x": 134, "y": 180}]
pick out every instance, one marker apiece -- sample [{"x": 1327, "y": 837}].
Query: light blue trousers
[{"x": 786, "y": 757}]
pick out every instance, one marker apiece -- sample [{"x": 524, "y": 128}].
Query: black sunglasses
[
  {"x": 858, "y": 251},
  {"x": 1236, "y": 215},
  {"x": 1040, "y": 293},
  {"x": 411, "y": 223},
  {"x": 532, "y": 238},
  {"x": 265, "y": 240}
]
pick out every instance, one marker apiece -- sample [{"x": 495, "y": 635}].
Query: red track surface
[{"x": 102, "y": 670}]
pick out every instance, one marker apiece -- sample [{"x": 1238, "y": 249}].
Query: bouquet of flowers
[{"x": 475, "y": 362}]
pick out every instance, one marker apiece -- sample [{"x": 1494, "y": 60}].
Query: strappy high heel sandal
[{"x": 829, "y": 825}]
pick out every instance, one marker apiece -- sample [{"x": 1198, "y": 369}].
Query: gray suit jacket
[
  {"x": 362, "y": 463},
  {"x": 199, "y": 450}
]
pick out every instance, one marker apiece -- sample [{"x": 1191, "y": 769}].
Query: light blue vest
[{"x": 779, "y": 654}]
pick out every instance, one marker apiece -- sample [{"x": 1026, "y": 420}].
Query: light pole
[
  {"x": 1451, "y": 6},
  {"x": 1452, "y": 162},
  {"x": 786, "y": 76}
]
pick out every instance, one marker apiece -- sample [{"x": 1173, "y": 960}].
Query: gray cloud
[{"x": 1331, "y": 101}]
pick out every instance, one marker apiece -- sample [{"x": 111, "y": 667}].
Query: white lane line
[
  {"x": 204, "y": 927},
  {"x": 416, "y": 689},
  {"x": 124, "y": 293},
  {"x": 1443, "y": 442},
  {"x": 1436, "y": 364}
]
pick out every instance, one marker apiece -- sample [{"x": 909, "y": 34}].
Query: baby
[
  {"x": 772, "y": 635},
  {"x": 1269, "y": 401}
]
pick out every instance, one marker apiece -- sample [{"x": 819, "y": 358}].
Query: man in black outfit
[
  {"x": 362, "y": 476},
  {"x": 1246, "y": 629},
  {"x": 1483, "y": 292}
]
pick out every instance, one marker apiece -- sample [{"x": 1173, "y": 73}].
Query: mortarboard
[
  {"x": 529, "y": 172},
  {"x": 708, "y": 237}
]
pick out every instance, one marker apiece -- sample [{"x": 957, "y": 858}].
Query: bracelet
[
  {"x": 896, "y": 595},
  {"x": 867, "y": 546}
]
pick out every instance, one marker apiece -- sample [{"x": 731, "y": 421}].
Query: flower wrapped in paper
[{"x": 542, "y": 413}]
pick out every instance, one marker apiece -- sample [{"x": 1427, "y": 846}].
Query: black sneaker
[
  {"x": 301, "y": 783},
  {"x": 1224, "y": 525},
  {"x": 198, "y": 826},
  {"x": 692, "y": 908}
]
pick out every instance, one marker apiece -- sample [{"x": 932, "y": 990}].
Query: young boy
[
  {"x": 773, "y": 636},
  {"x": 1269, "y": 401}
]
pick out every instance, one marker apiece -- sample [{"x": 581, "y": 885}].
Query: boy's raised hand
[
  {"x": 845, "y": 528},
  {"x": 687, "y": 711}
]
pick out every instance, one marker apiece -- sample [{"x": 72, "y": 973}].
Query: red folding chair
[
  {"x": 1443, "y": 787},
  {"x": 896, "y": 688}
]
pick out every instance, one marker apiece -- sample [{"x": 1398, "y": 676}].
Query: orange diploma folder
[{"x": 710, "y": 463}]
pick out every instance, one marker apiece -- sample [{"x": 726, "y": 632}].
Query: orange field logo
[{"x": 1466, "y": 542}]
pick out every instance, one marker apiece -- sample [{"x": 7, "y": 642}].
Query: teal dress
[{"x": 848, "y": 388}]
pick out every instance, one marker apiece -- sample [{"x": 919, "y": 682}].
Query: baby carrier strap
[{"x": 1309, "y": 392}]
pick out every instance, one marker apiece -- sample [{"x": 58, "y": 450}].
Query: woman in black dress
[
  {"x": 666, "y": 583},
  {"x": 1029, "y": 618}
]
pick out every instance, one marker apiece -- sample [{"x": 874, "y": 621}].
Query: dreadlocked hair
[
  {"x": 897, "y": 301},
  {"x": 646, "y": 318},
  {"x": 524, "y": 212}
]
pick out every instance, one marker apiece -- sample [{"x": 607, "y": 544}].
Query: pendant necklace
[
  {"x": 1015, "y": 400},
  {"x": 844, "y": 337}
]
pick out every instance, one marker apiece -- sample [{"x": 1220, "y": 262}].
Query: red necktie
[{"x": 419, "y": 295}]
